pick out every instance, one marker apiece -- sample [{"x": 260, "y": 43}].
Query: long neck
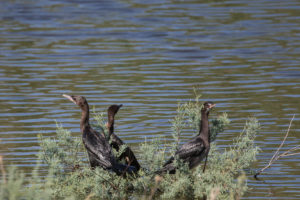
[
  {"x": 85, "y": 115},
  {"x": 110, "y": 124},
  {"x": 204, "y": 127}
]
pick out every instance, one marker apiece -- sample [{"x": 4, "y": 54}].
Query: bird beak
[
  {"x": 69, "y": 97},
  {"x": 211, "y": 106}
]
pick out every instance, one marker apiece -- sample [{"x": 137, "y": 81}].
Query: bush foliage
[{"x": 70, "y": 177}]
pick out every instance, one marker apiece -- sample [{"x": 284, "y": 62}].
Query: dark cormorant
[
  {"x": 116, "y": 142},
  {"x": 194, "y": 151},
  {"x": 98, "y": 148}
]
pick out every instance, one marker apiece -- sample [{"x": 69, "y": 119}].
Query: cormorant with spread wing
[{"x": 194, "y": 151}]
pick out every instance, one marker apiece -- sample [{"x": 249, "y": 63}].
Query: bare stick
[
  {"x": 291, "y": 154},
  {"x": 276, "y": 155},
  {"x": 294, "y": 148},
  {"x": 286, "y": 135}
]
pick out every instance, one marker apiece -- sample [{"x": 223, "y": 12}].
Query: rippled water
[{"x": 147, "y": 55}]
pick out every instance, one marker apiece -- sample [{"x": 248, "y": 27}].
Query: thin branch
[
  {"x": 291, "y": 154},
  {"x": 286, "y": 135},
  {"x": 290, "y": 151},
  {"x": 294, "y": 148},
  {"x": 276, "y": 155}
]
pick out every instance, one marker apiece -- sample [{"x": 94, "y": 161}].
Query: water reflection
[{"x": 147, "y": 56}]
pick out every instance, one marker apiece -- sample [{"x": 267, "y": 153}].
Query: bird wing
[
  {"x": 127, "y": 152},
  {"x": 191, "y": 148},
  {"x": 99, "y": 147},
  {"x": 116, "y": 142},
  {"x": 187, "y": 150}
]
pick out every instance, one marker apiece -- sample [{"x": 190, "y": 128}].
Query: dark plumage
[
  {"x": 98, "y": 148},
  {"x": 116, "y": 142},
  {"x": 194, "y": 151}
]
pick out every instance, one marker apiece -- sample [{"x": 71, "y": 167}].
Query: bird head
[
  {"x": 111, "y": 112},
  {"x": 78, "y": 100},
  {"x": 113, "y": 109},
  {"x": 207, "y": 106}
]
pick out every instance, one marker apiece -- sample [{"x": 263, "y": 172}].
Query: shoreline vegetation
[{"x": 69, "y": 175}]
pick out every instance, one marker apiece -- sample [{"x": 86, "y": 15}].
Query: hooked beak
[
  {"x": 113, "y": 109},
  {"x": 211, "y": 106},
  {"x": 69, "y": 97}
]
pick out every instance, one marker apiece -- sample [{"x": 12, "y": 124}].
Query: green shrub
[{"x": 70, "y": 177}]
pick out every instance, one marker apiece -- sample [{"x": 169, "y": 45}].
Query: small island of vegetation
[{"x": 63, "y": 159}]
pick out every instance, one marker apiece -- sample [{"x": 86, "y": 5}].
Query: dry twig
[{"x": 276, "y": 155}]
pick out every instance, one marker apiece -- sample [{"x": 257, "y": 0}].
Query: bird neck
[
  {"x": 204, "y": 127},
  {"x": 85, "y": 116},
  {"x": 110, "y": 124}
]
